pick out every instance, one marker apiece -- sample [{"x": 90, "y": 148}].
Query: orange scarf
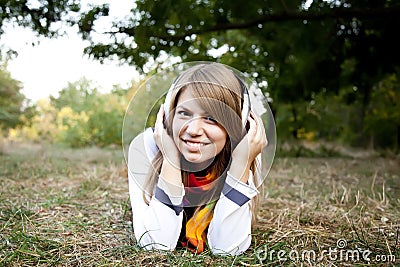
[{"x": 198, "y": 223}]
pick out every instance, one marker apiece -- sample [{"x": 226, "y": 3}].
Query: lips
[{"x": 194, "y": 144}]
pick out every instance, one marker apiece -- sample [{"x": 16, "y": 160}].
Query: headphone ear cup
[{"x": 167, "y": 103}]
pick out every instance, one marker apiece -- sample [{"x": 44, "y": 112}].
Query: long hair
[{"x": 219, "y": 93}]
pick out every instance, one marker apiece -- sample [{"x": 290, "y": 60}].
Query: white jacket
[{"x": 158, "y": 225}]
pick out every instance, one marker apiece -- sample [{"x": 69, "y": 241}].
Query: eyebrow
[{"x": 182, "y": 106}]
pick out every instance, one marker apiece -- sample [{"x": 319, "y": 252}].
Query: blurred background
[{"x": 330, "y": 69}]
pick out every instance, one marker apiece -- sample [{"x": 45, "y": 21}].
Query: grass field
[{"x": 68, "y": 207}]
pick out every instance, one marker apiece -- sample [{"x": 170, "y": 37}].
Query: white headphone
[{"x": 245, "y": 99}]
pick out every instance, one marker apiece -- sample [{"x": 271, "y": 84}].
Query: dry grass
[{"x": 69, "y": 207}]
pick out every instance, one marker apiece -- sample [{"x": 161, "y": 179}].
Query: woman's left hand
[{"x": 252, "y": 143}]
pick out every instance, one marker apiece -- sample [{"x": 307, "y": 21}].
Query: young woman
[{"x": 192, "y": 177}]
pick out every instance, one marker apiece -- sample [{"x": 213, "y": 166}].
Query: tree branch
[{"x": 338, "y": 13}]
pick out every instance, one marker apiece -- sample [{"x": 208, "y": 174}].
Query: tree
[
  {"x": 80, "y": 96},
  {"x": 40, "y": 16},
  {"x": 11, "y": 101},
  {"x": 45, "y": 18},
  {"x": 294, "y": 51},
  {"x": 88, "y": 117},
  {"x": 278, "y": 33},
  {"x": 299, "y": 50},
  {"x": 383, "y": 114}
]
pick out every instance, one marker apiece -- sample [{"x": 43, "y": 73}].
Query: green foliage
[
  {"x": 79, "y": 96},
  {"x": 74, "y": 127},
  {"x": 283, "y": 42},
  {"x": 80, "y": 116},
  {"x": 301, "y": 52},
  {"x": 41, "y": 127},
  {"x": 324, "y": 65},
  {"x": 13, "y": 104},
  {"x": 40, "y": 16},
  {"x": 106, "y": 122},
  {"x": 89, "y": 117},
  {"x": 383, "y": 116}
]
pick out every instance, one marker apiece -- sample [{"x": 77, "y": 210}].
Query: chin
[
  {"x": 195, "y": 159},
  {"x": 198, "y": 161}
]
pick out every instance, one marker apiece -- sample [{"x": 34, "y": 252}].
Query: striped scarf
[{"x": 198, "y": 223}]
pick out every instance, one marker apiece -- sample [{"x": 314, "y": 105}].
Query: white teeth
[{"x": 194, "y": 144}]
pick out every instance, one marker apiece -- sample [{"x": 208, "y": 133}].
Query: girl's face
[{"x": 196, "y": 134}]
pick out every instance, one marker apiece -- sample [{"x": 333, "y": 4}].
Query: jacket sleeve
[
  {"x": 229, "y": 232},
  {"x": 156, "y": 225}
]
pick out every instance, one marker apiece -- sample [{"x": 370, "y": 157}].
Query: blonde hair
[{"x": 217, "y": 89}]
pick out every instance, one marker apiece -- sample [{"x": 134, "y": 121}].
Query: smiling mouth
[{"x": 194, "y": 144}]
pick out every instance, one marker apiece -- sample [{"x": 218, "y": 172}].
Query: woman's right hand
[{"x": 164, "y": 141}]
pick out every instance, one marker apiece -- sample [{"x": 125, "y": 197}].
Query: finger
[
  {"x": 261, "y": 128},
  {"x": 260, "y": 135},
  {"x": 259, "y": 124},
  {"x": 159, "y": 129},
  {"x": 254, "y": 117},
  {"x": 253, "y": 127},
  {"x": 263, "y": 135}
]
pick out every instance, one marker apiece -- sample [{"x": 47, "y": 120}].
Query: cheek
[
  {"x": 220, "y": 137},
  {"x": 176, "y": 129}
]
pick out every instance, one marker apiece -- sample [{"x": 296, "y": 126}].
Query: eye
[
  {"x": 210, "y": 119},
  {"x": 183, "y": 113}
]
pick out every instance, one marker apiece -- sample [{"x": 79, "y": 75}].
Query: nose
[{"x": 194, "y": 127}]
